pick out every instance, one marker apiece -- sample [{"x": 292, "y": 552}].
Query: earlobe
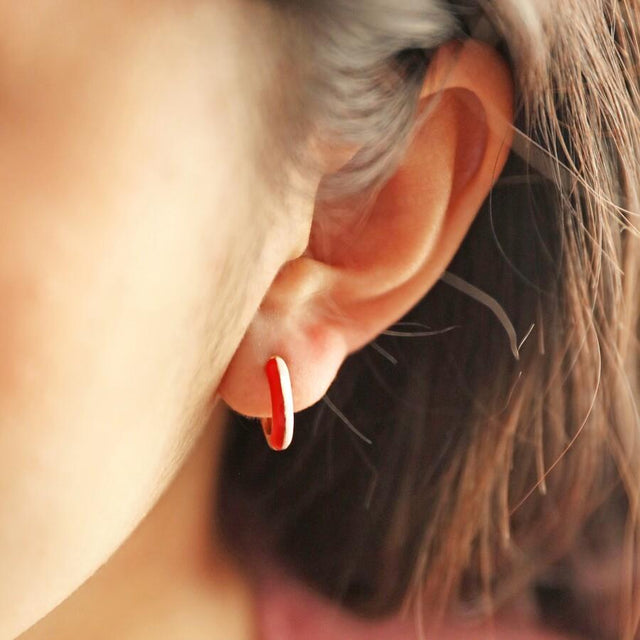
[{"x": 358, "y": 278}]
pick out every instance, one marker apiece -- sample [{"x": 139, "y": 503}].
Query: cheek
[
  {"x": 118, "y": 202},
  {"x": 90, "y": 404},
  {"x": 101, "y": 333}
]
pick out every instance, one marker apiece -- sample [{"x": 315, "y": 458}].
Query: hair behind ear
[{"x": 483, "y": 471}]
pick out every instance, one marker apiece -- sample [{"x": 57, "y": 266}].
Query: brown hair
[{"x": 474, "y": 474}]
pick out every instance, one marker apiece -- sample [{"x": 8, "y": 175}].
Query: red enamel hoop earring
[{"x": 278, "y": 430}]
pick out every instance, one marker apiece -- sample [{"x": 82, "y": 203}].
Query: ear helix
[{"x": 278, "y": 430}]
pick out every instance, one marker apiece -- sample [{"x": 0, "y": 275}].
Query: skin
[
  {"x": 144, "y": 264},
  {"x": 126, "y": 171}
]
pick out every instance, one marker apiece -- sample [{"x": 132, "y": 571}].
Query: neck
[{"x": 171, "y": 578}]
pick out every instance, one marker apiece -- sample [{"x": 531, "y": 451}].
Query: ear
[{"x": 361, "y": 274}]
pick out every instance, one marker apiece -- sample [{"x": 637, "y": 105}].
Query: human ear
[{"x": 361, "y": 273}]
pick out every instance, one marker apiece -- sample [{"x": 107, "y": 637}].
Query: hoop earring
[{"x": 278, "y": 430}]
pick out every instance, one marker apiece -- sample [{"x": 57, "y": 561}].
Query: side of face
[
  {"x": 148, "y": 262},
  {"x": 131, "y": 211}
]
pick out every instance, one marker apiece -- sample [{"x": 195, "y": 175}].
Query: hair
[{"x": 439, "y": 470}]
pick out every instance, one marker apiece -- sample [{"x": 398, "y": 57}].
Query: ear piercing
[{"x": 278, "y": 430}]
